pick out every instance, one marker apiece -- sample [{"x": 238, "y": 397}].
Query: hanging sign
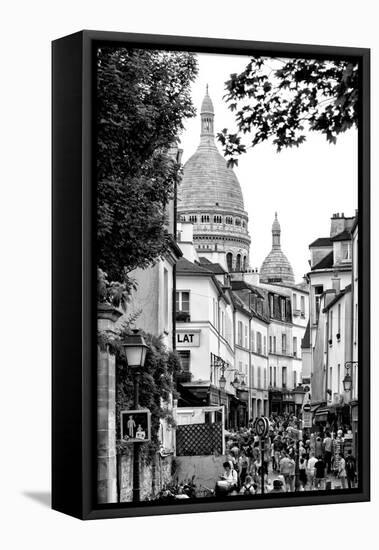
[
  {"x": 188, "y": 339},
  {"x": 135, "y": 426}
]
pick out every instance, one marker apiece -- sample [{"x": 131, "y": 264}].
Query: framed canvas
[{"x": 211, "y": 275}]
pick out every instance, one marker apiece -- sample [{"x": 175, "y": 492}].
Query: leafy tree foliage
[
  {"x": 283, "y": 98},
  {"x": 143, "y": 97}
]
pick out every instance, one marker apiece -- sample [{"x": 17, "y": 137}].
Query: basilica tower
[
  {"x": 276, "y": 268},
  {"x": 210, "y": 197}
]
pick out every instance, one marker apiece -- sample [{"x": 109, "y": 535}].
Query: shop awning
[{"x": 321, "y": 414}]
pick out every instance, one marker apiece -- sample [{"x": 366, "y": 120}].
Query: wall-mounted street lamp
[
  {"x": 348, "y": 381},
  {"x": 135, "y": 349}
]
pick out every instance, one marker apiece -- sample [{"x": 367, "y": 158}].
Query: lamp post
[{"x": 135, "y": 350}]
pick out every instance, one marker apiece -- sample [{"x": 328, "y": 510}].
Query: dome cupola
[
  {"x": 276, "y": 268},
  {"x": 210, "y": 197}
]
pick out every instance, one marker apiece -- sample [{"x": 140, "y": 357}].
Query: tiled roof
[
  {"x": 343, "y": 236},
  {"x": 325, "y": 263},
  {"x": 185, "y": 266},
  {"x": 322, "y": 241},
  {"x": 216, "y": 268}
]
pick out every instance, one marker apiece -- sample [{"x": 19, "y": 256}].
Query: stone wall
[
  {"x": 205, "y": 470},
  {"x": 153, "y": 476}
]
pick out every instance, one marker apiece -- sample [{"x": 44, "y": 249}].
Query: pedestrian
[
  {"x": 302, "y": 473},
  {"x": 285, "y": 466},
  {"x": 277, "y": 486},
  {"x": 311, "y": 470},
  {"x": 319, "y": 472},
  {"x": 327, "y": 445},
  {"x": 342, "y": 470},
  {"x": 278, "y": 446},
  {"x": 242, "y": 466},
  {"x": 350, "y": 469},
  {"x": 247, "y": 487},
  {"x": 318, "y": 446}
]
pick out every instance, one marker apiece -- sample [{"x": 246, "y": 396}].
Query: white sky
[{"x": 305, "y": 185}]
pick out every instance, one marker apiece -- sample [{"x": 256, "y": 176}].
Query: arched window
[
  {"x": 229, "y": 261},
  {"x": 238, "y": 221},
  {"x": 204, "y": 219},
  {"x": 228, "y": 220},
  {"x": 244, "y": 264},
  {"x": 238, "y": 262},
  {"x": 217, "y": 219},
  {"x": 193, "y": 219}
]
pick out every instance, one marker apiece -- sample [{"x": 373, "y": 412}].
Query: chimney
[{"x": 336, "y": 284}]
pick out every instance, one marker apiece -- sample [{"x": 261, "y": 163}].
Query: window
[
  {"x": 319, "y": 289},
  {"x": 239, "y": 333},
  {"x": 274, "y": 377},
  {"x": 217, "y": 219},
  {"x": 229, "y": 220},
  {"x": 252, "y": 375},
  {"x": 339, "y": 378},
  {"x": 302, "y": 306},
  {"x": 264, "y": 345},
  {"x": 270, "y": 344},
  {"x": 238, "y": 221},
  {"x": 229, "y": 261},
  {"x": 284, "y": 377},
  {"x": 252, "y": 341},
  {"x": 282, "y": 309},
  {"x": 294, "y": 340},
  {"x": 165, "y": 297},
  {"x": 294, "y": 379},
  {"x": 271, "y": 305},
  {"x": 330, "y": 377},
  {"x": 339, "y": 319},
  {"x": 238, "y": 262},
  {"x": 259, "y": 378},
  {"x": 244, "y": 264},
  {"x": 193, "y": 219},
  {"x": 330, "y": 326},
  {"x": 346, "y": 252},
  {"x": 205, "y": 219},
  {"x": 183, "y": 301},
  {"x": 259, "y": 343},
  {"x": 246, "y": 345},
  {"x": 185, "y": 359},
  {"x": 274, "y": 344},
  {"x": 294, "y": 301},
  {"x": 264, "y": 378},
  {"x": 284, "y": 344},
  {"x": 270, "y": 376}
]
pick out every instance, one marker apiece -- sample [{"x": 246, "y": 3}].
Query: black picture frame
[{"x": 74, "y": 319}]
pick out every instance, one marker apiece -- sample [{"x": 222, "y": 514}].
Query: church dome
[
  {"x": 207, "y": 181},
  {"x": 276, "y": 267},
  {"x": 210, "y": 197}
]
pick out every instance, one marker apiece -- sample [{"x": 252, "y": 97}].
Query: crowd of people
[{"x": 293, "y": 460}]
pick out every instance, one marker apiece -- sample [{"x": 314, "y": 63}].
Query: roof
[
  {"x": 185, "y": 266},
  {"x": 322, "y": 241},
  {"x": 216, "y": 268},
  {"x": 306, "y": 340},
  {"x": 337, "y": 297},
  {"x": 343, "y": 236},
  {"x": 325, "y": 263}
]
